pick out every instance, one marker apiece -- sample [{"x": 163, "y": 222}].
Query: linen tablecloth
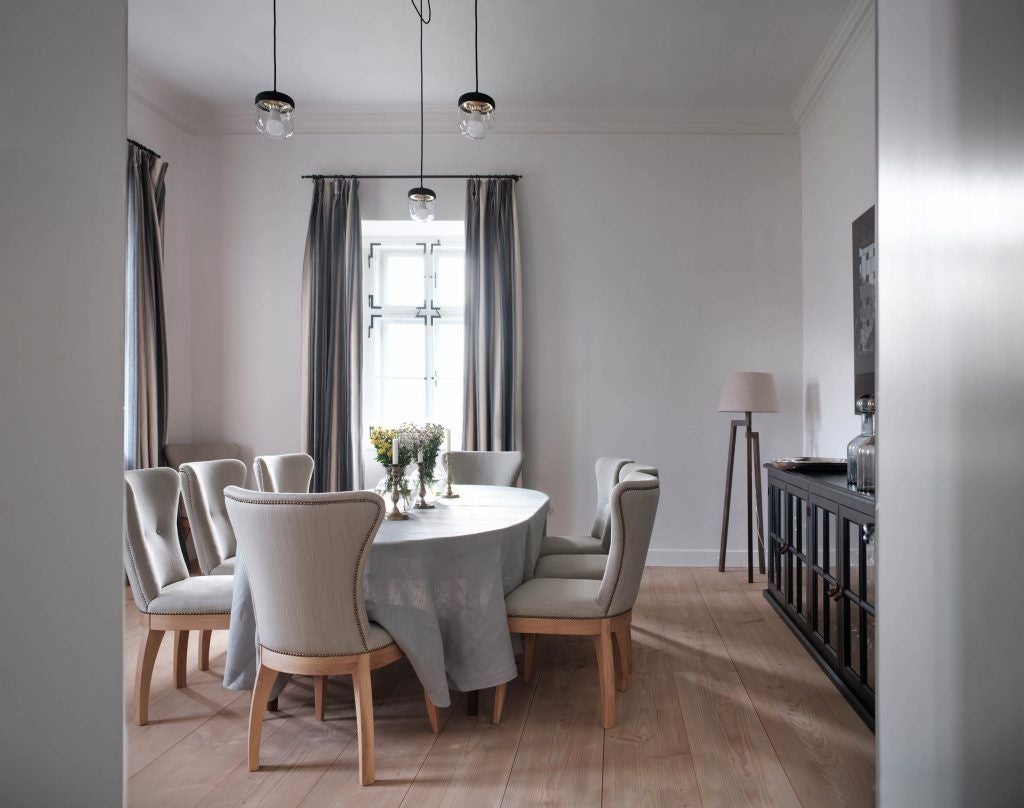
[{"x": 437, "y": 582}]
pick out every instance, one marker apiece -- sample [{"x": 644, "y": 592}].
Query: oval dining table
[{"x": 437, "y": 582}]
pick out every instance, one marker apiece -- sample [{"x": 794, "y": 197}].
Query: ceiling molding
[
  {"x": 160, "y": 100},
  {"x": 857, "y": 23},
  {"x": 441, "y": 120}
]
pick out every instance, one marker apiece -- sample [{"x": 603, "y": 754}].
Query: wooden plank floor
[{"x": 725, "y": 708}]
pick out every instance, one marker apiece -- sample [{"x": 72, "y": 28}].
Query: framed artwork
[{"x": 865, "y": 303}]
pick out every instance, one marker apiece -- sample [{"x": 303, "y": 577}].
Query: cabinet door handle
[
  {"x": 837, "y": 594},
  {"x": 784, "y": 548}
]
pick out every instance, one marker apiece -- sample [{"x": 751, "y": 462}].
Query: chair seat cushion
[
  {"x": 226, "y": 567},
  {"x": 377, "y": 637},
  {"x": 563, "y": 545},
  {"x": 201, "y": 594},
  {"x": 572, "y": 565},
  {"x": 555, "y": 597}
]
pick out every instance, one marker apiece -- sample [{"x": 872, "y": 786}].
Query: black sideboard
[{"x": 821, "y": 575}]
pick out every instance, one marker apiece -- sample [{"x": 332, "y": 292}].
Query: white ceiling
[{"x": 745, "y": 58}]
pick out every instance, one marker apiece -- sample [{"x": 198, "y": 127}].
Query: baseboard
[{"x": 695, "y": 558}]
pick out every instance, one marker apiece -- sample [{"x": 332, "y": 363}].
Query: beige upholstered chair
[
  {"x": 283, "y": 473},
  {"x": 202, "y": 488},
  {"x": 606, "y": 472},
  {"x": 486, "y": 468},
  {"x": 600, "y": 609},
  {"x": 585, "y": 565},
  {"x": 168, "y": 599},
  {"x": 305, "y": 555},
  {"x": 178, "y": 453}
]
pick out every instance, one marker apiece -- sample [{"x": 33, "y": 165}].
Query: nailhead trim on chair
[
  {"x": 135, "y": 569},
  {"x": 359, "y": 558},
  {"x": 622, "y": 525},
  {"x": 318, "y": 656}
]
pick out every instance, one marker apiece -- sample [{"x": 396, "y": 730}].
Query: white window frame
[{"x": 432, "y": 247}]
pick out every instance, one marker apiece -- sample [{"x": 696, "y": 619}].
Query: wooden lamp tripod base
[{"x": 753, "y": 496}]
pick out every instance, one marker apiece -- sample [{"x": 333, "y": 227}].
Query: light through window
[{"x": 415, "y": 301}]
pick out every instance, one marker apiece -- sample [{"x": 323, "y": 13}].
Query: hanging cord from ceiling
[
  {"x": 419, "y": 11},
  {"x": 423, "y": 21},
  {"x": 275, "y": 46}
]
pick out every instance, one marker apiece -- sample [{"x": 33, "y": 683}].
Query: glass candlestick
[
  {"x": 395, "y": 515},
  {"x": 449, "y": 494},
  {"x": 422, "y": 501}
]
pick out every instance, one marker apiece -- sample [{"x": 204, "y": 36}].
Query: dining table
[{"x": 437, "y": 583}]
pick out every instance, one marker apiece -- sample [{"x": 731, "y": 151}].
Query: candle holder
[
  {"x": 449, "y": 494},
  {"x": 395, "y": 514},
  {"x": 422, "y": 501}
]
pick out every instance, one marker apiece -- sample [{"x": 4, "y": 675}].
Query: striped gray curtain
[
  {"x": 332, "y": 327},
  {"x": 145, "y": 343},
  {"x": 494, "y": 318}
]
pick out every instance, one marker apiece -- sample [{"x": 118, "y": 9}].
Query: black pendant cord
[
  {"x": 476, "y": 41},
  {"x": 275, "y": 46},
  {"x": 422, "y": 23}
]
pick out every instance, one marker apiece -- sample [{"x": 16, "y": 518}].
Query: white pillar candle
[
  {"x": 419, "y": 457},
  {"x": 394, "y": 452},
  {"x": 448, "y": 441}
]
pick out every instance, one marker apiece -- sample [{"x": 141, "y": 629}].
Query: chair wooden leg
[
  {"x": 473, "y": 702},
  {"x": 499, "y": 703},
  {"x": 620, "y": 646},
  {"x": 432, "y": 713},
  {"x": 180, "y": 657},
  {"x": 364, "y": 720},
  {"x": 606, "y": 674},
  {"x": 529, "y": 656},
  {"x": 320, "y": 697},
  {"x": 149, "y": 645},
  {"x": 265, "y": 679},
  {"x": 204, "y": 650}
]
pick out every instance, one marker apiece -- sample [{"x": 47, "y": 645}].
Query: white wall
[
  {"x": 653, "y": 266},
  {"x": 951, "y": 382},
  {"x": 838, "y": 169},
  {"x": 174, "y": 146},
  {"x": 62, "y": 174}
]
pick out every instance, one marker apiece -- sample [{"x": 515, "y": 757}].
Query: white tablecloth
[{"x": 437, "y": 582}]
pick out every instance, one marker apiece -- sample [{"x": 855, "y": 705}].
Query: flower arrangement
[
  {"x": 411, "y": 438},
  {"x": 429, "y": 438}
]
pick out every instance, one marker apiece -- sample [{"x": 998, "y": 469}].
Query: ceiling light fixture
[
  {"x": 422, "y": 200},
  {"x": 273, "y": 109},
  {"x": 476, "y": 109}
]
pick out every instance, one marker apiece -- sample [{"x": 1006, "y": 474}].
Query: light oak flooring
[{"x": 725, "y": 708}]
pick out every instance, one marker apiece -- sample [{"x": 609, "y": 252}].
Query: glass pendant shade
[
  {"x": 274, "y": 114},
  {"x": 476, "y": 115},
  {"x": 422, "y": 202}
]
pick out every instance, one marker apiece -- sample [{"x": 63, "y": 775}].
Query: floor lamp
[{"x": 747, "y": 393}]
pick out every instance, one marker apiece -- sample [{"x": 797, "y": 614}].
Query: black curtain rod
[
  {"x": 516, "y": 177},
  {"x": 144, "y": 148}
]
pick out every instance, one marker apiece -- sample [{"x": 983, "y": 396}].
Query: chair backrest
[
  {"x": 152, "y": 555},
  {"x": 178, "y": 453},
  {"x": 487, "y": 468},
  {"x": 283, "y": 473},
  {"x": 305, "y": 555},
  {"x": 606, "y": 470},
  {"x": 202, "y": 488},
  {"x": 631, "y": 468},
  {"x": 634, "y": 504}
]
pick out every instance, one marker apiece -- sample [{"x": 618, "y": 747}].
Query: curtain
[
  {"x": 145, "y": 360},
  {"x": 332, "y": 327},
  {"x": 494, "y": 318}
]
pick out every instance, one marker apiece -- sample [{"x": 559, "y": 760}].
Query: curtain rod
[
  {"x": 144, "y": 148},
  {"x": 516, "y": 177}
]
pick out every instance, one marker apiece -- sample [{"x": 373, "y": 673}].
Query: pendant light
[
  {"x": 422, "y": 200},
  {"x": 273, "y": 109},
  {"x": 476, "y": 109}
]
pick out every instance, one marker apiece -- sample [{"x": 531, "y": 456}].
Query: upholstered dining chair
[
  {"x": 202, "y": 488},
  {"x": 599, "y": 609},
  {"x": 305, "y": 555},
  {"x": 486, "y": 468},
  {"x": 585, "y": 565},
  {"x": 283, "y": 473},
  {"x": 606, "y": 473},
  {"x": 168, "y": 599},
  {"x": 178, "y": 453}
]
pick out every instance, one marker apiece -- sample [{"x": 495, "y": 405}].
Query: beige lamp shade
[{"x": 749, "y": 392}]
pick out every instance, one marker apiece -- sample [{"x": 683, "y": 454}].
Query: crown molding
[
  {"x": 161, "y": 100},
  {"x": 857, "y": 24},
  {"x": 197, "y": 120}
]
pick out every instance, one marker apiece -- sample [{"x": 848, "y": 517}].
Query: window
[{"x": 415, "y": 301}]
